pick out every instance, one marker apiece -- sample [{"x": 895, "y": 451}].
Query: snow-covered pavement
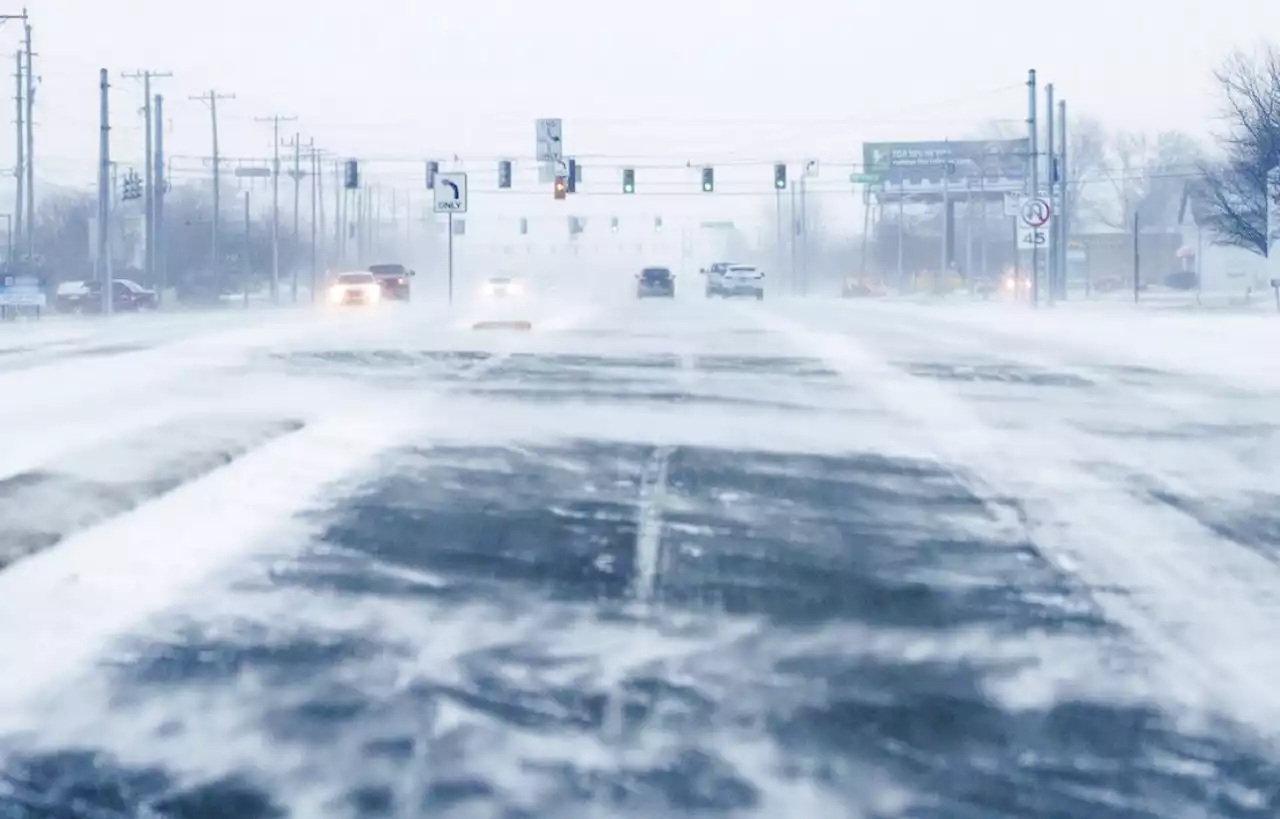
[{"x": 799, "y": 558}]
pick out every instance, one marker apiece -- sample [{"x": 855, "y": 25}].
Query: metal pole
[
  {"x": 1032, "y": 133},
  {"x": 1136, "y": 257},
  {"x": 275, "y": 212},
  {"x": 1051, "y": 258},
  {"x": 20, "y": 216},
  {"x": 31, "y": 152},
  {"x": 945, "y": 264},
  {"x": 246, "y": 276},
  {"x": 315, "y": 203},
  {"x": 1064, "y": 225},
  {"x": 902, "y": 215},
  {"x": 216, "y": 261},
  {"x": 161, "y": 183},
  {"x": 450, "y": 257},
  {"x": 148, "y": 192},
  {"x": 112, "y": 207},
  {"x": 778, "y": 212},
  {"x": 104, "y": 187},
  {"x": 297, "y": 190},
  {"x": 986, "y": 223},
  {"x": 791, "y": 239},
  {"x": 804, "y": 231},
  {"x": 968, "y": 232}
]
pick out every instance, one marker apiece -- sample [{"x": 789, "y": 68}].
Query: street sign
[
  {"x": 451, "y": 193},
  {"x": 550, "y": 134},
  {"x": 1035, "y": 212},
  {"x": 1013, "y": 203},
  {"x": 252, "y": 171},
  {"x": 1030, "y": 238},
  {"x": 21, "y": 291},
  {"x": 864, "y": 178},
  {"x": 811, "y": 168},
  {"x": 562, "y": 167}
]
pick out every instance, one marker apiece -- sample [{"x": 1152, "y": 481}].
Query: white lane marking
[
  {"x": 653, "y": 494},
  {"x": 1202, "y": 605},
  {"x": 60, "y": 608}
]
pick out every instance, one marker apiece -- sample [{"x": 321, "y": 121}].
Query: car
[
  {"x": 501, "y": 287},
  {"x": 86, "y": 297},
  {"x": 729, "y": 280},
  {"x": 355, "y": 288},
  {"x": 655, "y": 282},
  {"x": 394, "y": 280}
]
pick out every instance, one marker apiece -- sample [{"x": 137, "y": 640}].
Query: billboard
[{"x": 993, "y": 165}]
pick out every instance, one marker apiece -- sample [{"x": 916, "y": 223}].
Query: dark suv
[
  {"x": 655, "y": 282},
  {"x": 394, "y": 279}
]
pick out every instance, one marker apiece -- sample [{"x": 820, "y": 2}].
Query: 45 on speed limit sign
[{"x": 1033, "y": 228}]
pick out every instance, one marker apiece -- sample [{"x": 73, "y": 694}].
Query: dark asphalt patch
[
  {"x": 641, "y": 392},
  {"x": 887, "y": 541},
  {"x": 85, "y": 784},
  {"x": 42, "y": 507},
  {"x": 1253, "y": 522},
  {"x": 998, "y": 373}
]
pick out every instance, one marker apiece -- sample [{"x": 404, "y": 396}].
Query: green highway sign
[
  {"x": 718, "y": 225},
  {"x": 864, "y": 178}
]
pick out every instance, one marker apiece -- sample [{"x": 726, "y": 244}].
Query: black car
[
  {"x": 655, "y": 282},
  {"x": 394, "y": 280},
  {"x": 86, "y": 297}
]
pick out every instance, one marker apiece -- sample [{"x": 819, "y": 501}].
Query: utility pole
[
  {"x": 31, "y": 148},
  {"x": 148, "y": 201},
  {"x": 1034, "y": 178},
  {"x": 19, "y": 168},
  {"x": 296, "y": 173},
  {"x": 161, "y": 189},
  {"x": 212, "y": 99},
  {"x": 275, "y": 121},
  {"x": 246, "y": 274},
  {"x": 103, "y": 274},
  {"x": 315, "y": 204}
]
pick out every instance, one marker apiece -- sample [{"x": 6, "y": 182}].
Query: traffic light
[
  {"x": 708, "y": 180},
  {"x": 780, "y": 175},
  {"x": 573, "y": 176},
  {"x": 504, "y": 173},
  {"x": 560, "y": 187},
  {"x": 657, "y": 223},
  {"x": 524, "y": 226},
  {"x": 132, "y": 187},
  {"x": 352, "y": 179},
  {"x": 433, "y": 169},
  {"x": 614, "y": 224},
  {"x": 628, "y": 181}
]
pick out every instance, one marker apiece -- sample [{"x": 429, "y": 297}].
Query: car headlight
[
  {"x": 374, "y": 293},
  {"x": 335, "y": 295}
]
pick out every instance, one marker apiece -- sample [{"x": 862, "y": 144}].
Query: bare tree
[
  {"x": 1234, "y": 191},
  {"x": 1086, "y": 163}
]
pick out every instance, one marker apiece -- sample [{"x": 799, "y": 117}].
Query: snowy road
[{"x": 793, "y": 559}]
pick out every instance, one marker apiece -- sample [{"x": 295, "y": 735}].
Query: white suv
[{"x": 727, "y": 280}]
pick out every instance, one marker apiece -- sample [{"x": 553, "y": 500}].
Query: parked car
[{"x": 86, "y": 297}]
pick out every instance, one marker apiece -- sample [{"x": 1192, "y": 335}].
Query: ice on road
[{"x": 780, "y": 559}]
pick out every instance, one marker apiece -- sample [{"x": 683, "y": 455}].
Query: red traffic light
[{"x": 560, "y": 187}]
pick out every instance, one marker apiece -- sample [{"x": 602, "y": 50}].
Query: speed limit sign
[{"x": 1034, "y": 231}]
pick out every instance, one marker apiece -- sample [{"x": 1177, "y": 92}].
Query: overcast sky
[{"x": 703, "y": 80}]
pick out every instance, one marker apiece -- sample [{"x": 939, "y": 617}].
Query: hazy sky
[{"x": 700, "y": 80}]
